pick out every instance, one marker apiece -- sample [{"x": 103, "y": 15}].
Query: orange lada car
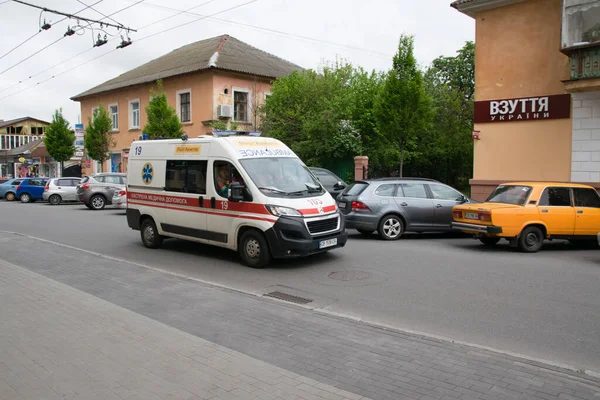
[{"x": 526, "y": 213}]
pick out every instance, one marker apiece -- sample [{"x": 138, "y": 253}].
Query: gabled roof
[
  {"x": 17, "y": 120},
  {"x": 221, "y": 52},
  {"x": 470, "y": 7}
]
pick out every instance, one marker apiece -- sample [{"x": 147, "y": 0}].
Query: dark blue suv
[{"x": 31, "y": 189}]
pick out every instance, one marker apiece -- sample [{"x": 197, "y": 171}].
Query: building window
[
  {"x": 240, "y": 106},
  {"x": 114, "y": 116},
  {"x": 580, "y": 22},
  {"x": 134, "y": 114},
  {"x": 184, "y": 105}
]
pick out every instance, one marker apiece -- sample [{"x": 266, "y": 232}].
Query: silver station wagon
[{"x": 393, "y": 206}]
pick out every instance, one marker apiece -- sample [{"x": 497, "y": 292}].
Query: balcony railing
[{"x": 585, "y": 63}]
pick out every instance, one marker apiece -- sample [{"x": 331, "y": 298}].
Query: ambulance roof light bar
[{"x": 218, "y": 133}]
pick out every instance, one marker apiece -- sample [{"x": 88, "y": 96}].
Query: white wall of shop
[{"x": 585, "y": 156}]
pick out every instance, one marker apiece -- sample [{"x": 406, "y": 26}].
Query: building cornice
[{"x": 472, "y": 7}]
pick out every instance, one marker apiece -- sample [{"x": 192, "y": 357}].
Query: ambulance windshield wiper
[
  {"x": 309, "y": 189},
  {"x": 272, "y": 189}
]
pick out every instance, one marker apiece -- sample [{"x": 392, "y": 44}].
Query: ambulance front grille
[{"x": 323, "y": 225}]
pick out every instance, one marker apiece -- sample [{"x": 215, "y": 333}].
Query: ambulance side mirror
[{"x": 236, "y": 192}]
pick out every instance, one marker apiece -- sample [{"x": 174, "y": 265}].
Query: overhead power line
[
  {"x": 56, "y": 41},
  {"x": 269, "y": 30},
  {"x": 146, "y": 37},
  {"x": 119, "y": 26},
  {"x": 38, "y": 32}
]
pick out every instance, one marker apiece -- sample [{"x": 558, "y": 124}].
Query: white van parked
[{"x": 246, "y": 193}]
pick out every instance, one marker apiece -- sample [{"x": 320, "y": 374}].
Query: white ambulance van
[{"x": 250, "y": 194}]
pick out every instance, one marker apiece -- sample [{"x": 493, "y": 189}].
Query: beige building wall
[
  {"x": 207, "y": 90},
  {"x": 518, "y": 55}
]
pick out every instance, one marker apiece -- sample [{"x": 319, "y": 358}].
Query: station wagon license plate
[
  {"x": 471, "y": 215},
  {"x": 342, "y": 205},
  {"x": 327, "y": 243}
]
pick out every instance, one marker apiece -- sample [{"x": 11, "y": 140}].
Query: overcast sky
[{"x": 364, "y": 32}]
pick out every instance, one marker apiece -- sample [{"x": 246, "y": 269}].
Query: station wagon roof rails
[{"x": 405, "y": 179}]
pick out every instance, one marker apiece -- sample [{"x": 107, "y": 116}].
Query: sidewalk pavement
[{"x": 74, "y": 325}]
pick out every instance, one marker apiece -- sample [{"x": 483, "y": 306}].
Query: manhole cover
[{"x": 350, "y": 275}]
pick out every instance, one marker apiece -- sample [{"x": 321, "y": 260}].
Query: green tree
[
  {"x": 60, "y": 139},
  {"x": 447, "y": 146},
  {"x": 402, "y": 108},
  {"x": 98, "y": 139},
  {"x": 323, "y": 115},
  {"x": 162, "y": 118}
]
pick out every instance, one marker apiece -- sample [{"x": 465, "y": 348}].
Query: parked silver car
[
  {"x": 97, "y": 191},
  {"x": 58, "y": 190},
  {"x": 392, "y": 206},
  {"x": 120, "y": 199}
]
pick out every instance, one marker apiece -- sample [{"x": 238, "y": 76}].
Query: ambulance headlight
[{"x": 279, "y": 211}]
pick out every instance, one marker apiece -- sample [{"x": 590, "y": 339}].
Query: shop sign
[{"x": 523, "y": 109}]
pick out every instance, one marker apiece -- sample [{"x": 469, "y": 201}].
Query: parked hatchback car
[
  {"x": 330, "y": 181},
  {"x": 31, "y": 189},
  {"x": 527, "y": 213},
  {"x": 393, "y": 206},
  {"x": 8, "y": 189},
  {"x": 58, "y": 190},
  {"x": 120, "y": 198},
  {"x": 97, "y": 191}
]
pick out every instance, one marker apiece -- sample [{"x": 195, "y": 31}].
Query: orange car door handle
[
  {"x": 579, "y": 211},
  {"x": 544, "y": 211}
]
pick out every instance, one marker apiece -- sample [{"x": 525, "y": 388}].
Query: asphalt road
[{"x": 544, "y": 306}]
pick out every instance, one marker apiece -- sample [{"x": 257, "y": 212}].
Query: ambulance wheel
[
  {"x": 149, "y": 233},
  {"x": 254, "y": 249}
]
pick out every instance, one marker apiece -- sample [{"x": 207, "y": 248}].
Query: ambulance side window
[
  {"x": 224, "y": 173},
  {"x": 186, "y": 176}
]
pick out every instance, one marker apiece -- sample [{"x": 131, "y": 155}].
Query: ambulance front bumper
[{"x": 289, "y": 237}]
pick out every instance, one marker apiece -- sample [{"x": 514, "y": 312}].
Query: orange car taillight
[
  {"x": 457, "y": 214},
  {"x": 485, "y": 217}
]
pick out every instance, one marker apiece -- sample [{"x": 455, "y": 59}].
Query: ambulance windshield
[{"x": 282, "y": 176}]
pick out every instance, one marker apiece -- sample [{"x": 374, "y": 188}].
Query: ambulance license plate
[
  {"x": 327, "y": 243},
  {"x": 471, "y": 215}
]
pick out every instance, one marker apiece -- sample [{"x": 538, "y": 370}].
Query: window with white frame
[
  {"x": 184, "y": 105},
  {"x": 134, "y": 114},
  {"x": 114, "y": 116},
  {"x": 241, "y": 109},
  {"x": 580, "y": 23}
]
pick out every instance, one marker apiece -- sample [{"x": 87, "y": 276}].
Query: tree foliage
[
  {"x": 324, "y": 115},
  {"x": 60, "y": 139},
  {"x": 403, "y": 108},
  {"x": 162, "y": 118},
  {"x": 420, "y": 119},
  {"x": 98, "y": 139},
  {"x": 447, "y": 152}
]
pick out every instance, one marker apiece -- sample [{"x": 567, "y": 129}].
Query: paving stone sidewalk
[
  {"x": 60, "y": 343},
  {"x": 173, "y": 321}
]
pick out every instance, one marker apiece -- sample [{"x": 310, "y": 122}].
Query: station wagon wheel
[
  {"x": 25, "y": 198},
  {"x": 390, "y": 227},
  {"x": 55, "y": 200},
  {"x": 149, "y": 233},
  {"x": 10, "y": 196},
  {"x": 531, "y": 239},
  {"x": 254, "y": 249},
  {"x": 489, "y": 241},
  {"x": 97, "y": 202}
]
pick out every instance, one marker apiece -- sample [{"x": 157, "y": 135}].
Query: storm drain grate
[{"x": 288, "y": 297}]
